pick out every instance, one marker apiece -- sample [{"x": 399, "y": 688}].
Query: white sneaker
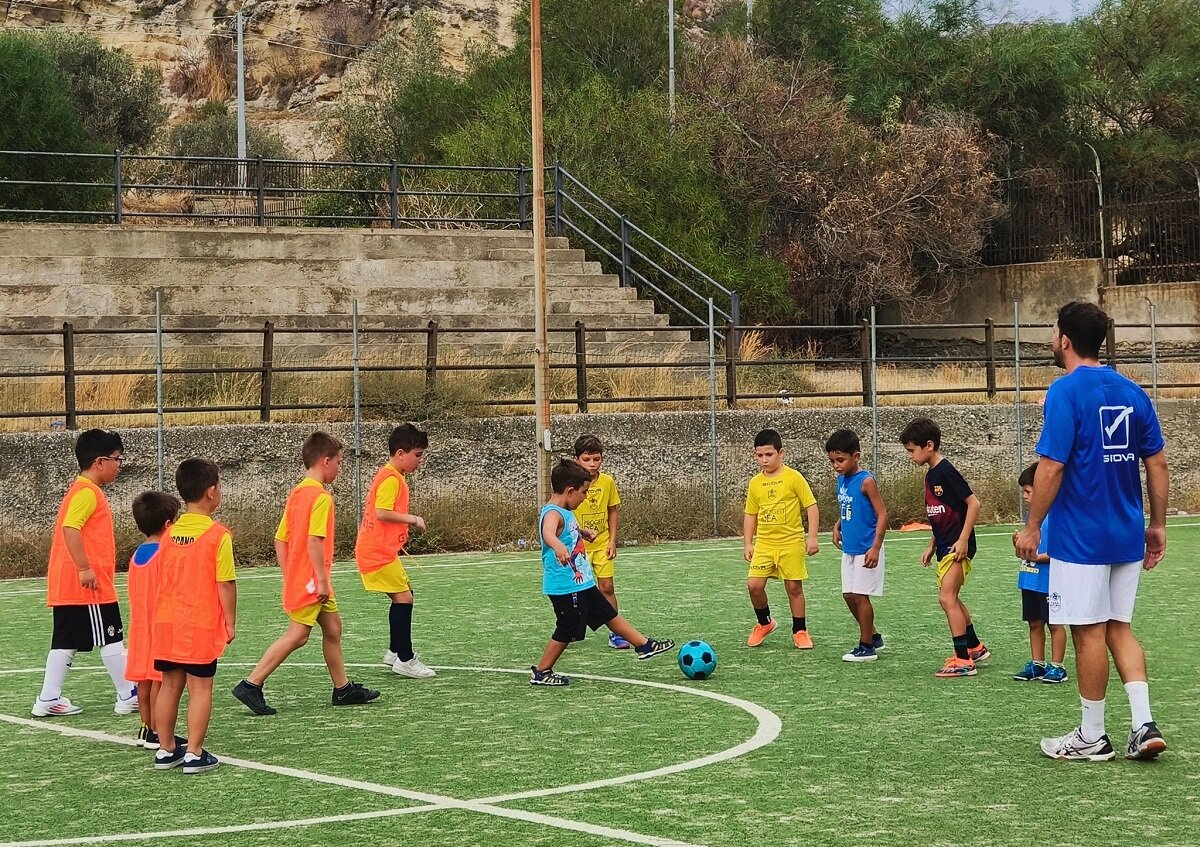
[
  {"x": 60, "y": 708},
  {"x": 1071, "y": 747},
  {"x": 414, "y": 668},
  {"x": 389, "y": 658},
  {"x": 126, "y": 705}
]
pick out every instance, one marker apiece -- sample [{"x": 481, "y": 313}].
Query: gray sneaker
[
  {"x": 1072, "y": 748},
  {"x": 1145, "y": 743}
]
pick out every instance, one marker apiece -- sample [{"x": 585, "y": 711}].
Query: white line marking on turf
[{"x": 220, "y": 830}]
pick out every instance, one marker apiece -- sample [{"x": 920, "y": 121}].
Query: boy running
[
  {"x": 598, "y": 513},
  {"x": 1033, "y": 579}
]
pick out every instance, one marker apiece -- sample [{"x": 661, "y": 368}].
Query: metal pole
[
  {"x": 712, "y": 413},
  {"x": 1153, "y": 350},
  {"x": 541, "y": 352},
  {"x": 1099, "y": 179},
  {"x": 1017, "y": 395},
  {"x": 671, "y": 61},
  {"x": 874, "y": 397},
  {"x": 241, "y": 101},
  {"x": 358, "y": 480},
  {"x": 749, "y": 21},
  {"x": 158, "y": 387}
]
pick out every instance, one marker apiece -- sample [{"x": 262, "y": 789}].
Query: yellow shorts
[
  {"x": 307, "y": 615},
  {"x": 943, "y": 567},
  {"x": 390, "y": 579},
  {"x": 602, "y": 566},
  {"x": 789, "y": 563}
]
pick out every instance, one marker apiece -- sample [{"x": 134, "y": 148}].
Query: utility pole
[
  {"x": 541, "y": 344},
  {"x": 241, "y": 102}
]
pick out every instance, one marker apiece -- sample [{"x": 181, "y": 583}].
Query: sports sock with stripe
[
  {"x": 763, "y": 615},
  {"x": 58, "y": 662},
  {"x": 113, "y": 656}
]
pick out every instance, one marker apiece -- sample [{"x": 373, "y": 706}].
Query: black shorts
[
  {"x": 575, "y": 612},
  {"x": 1035, "y": 606},
  {"x": 205, "y": 671},
  {"x": 85, "y": 627}
]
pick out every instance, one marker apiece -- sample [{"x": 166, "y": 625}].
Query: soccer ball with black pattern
[{"x": 697, "y": 660}]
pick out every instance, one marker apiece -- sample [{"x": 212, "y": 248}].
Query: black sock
[
  {"x": 400, "y": 621},
  {"x": 863, "y": 644},
  {"x": 798, "y": 624},
  {"x": 251, "y": 684},
  {"x": 345, "y": 687},
  {"x": 972, "y": 638},
  {"x": 764, "y": 615},
  {"x": 960, "y": 646}
]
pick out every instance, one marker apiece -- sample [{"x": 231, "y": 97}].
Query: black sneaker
[
  {"x": 1145, "y": 743},
  {"x": 653, "y": 648},
  {"x": 150, "y": 739},
  {"x": 203, "y": 763},
  {"x": 537, "y": 677},
  {"x": 164, "y": 761},
  {"x": 354, "y": 694},
  {"x": 252, "y": 698}
]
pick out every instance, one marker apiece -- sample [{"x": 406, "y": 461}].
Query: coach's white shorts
[
  {"x": 859, "y": 579},
  {"x": 1086, "y": 594}
]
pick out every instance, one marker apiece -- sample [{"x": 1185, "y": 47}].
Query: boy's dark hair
[
  {"x": 318, "y": 446},
  {"x": 843, "y": 441},
  {"x": 768, "y": 438},
  {"x": 407, "y": 437},
  {"x": 922, "y": 431},
  {"x": 152, "y": 510},
  {"x": 568, "y": 473},
  {"x": 1086, "y": 324},
  {"x": 588, "y": 444},
  {"x": 194, "y": 477},
  {"x": 94, "y": 443},
  {"x": 1027, "y": 475}
]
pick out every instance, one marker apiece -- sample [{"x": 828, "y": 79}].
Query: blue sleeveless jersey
[
  {"x": 558, "y": 578},
  {"x": 858, "y": 517},
  {"x": 1035, "y": 576}
]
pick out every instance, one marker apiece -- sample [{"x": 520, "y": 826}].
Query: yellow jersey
[
  {"x": 779, "y": 503},
  {"x": 593, "y": 512}
]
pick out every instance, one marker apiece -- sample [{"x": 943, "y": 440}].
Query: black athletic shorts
[
  {"x": 205, "y": 671},
  {"x": 577, "y": 611},
  {"x": 1035, "y": 606},
  {"x": 85, "y": 627}
]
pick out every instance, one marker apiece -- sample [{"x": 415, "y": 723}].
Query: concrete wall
[{"x": 1177, "y": 302}]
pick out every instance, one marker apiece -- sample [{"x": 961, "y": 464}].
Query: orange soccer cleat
[{"x": 760, "y": 632}]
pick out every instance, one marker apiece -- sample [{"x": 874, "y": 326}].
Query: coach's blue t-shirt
[
  {"x": 1100, "y": 425},
  {"x": 1035, "y": 576},
  {"x": 576, "y": 575}
]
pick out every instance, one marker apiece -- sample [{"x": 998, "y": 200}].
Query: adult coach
[{"x": 1098, "y": 426}]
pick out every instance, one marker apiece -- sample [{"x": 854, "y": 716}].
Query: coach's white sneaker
[
  {"x": 389, "y": 658},
  {"x": 127, "y": 705},
  {"x": 1072, "y": 748},
  {"x": 414, "y": 668},
  {"x": 60, "y": 708}
]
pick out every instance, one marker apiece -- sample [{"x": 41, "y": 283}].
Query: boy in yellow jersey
[
  {"x": 381, "y": 537},
  {"x": 304, "y": 547},
  {"x": 774, "y": 537},
  {"x": 598, "y": 513}
]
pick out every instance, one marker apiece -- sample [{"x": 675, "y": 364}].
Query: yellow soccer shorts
[
  {"x": 390, "y": 579},
  {"x": 307, "y": 615},
  {"x": 786, "y": 563},
  {"x": 943, "y": 567},
  {"x": 602, "y": 566}
]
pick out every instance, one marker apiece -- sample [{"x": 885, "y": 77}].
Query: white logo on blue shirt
[{"x": 1114, "y": 427}]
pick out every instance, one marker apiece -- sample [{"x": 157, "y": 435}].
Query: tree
[
  {"x": 824, "y": 31},
  {"x": 212, "y": 131}
]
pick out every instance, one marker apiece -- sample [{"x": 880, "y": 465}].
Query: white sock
[
  {"x": 58, "y": 662},
  {"x": 1139, "y": 702},
  {"x": 1092, "y": 728},
  {"x": 113, "y": 656}
]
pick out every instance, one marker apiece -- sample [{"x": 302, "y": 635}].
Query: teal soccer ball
[{"x": 697, "y": 660}]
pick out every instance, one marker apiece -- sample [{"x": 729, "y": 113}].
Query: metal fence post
[
  {"x": 624, "y": 252},
  {"x": 1017, "y": 397},
  {"x": 160, "y": 425},
  {"x": 874, "y": 395},
  {"x": 393, "y": 200},
  {"x": 731, "y": 360},
  {"x": 558, "y": 198},
  {"x": 712, "y": 416},
  {"x": 989, "y": 344},
  {"x": 260, "y": 209},
  {"x": 581, "y": 383},
  {"x": 1153, "y": 350},
  {"x": 735, "y": 319},
  {"x": 69, "y": 375},
  {"x": 118, "y": 213},
  {"x": 358, "y": 480},
  {"x": 431, "y": 355},
  {"x": 864, "y": 352},
  {"x": 268, "y": 356},
  {"x": 522, "y": 198},
  {"x": 1110, "y": 343}
]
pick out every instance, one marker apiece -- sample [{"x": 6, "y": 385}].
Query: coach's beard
[{"x": 1058, "y": 357}]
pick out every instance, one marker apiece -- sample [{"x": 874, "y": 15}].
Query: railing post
[
  {"x": 69, "y": 375},
  {"x": 731, "y": 359},
  {"x": 558, "y": 198},
  {"x": 522, "y": 201},
  {"x": 1110, "y": 342},
  {"x": 735, "y": 320},
  {"x": 864, "y": 350},
  {"x": 394, "y": 195},
  {"x": 268, "y": 358},
  {"x": 989, "y": 343},
  {"x": 624, "y": 252},
  {"x": 581, "y": 386},
  {"x": 118, "y": 213},
  {"x": 260, "y": 208},
  {"x": 431, "y": 355}
]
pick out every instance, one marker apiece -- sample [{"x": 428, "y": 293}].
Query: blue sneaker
[
  {"x": 877, "y": 642},
  {"x": 617, "y": 642},
  {"x": 164, "y": 761},
  {"x": 654, "y": 647},
  {"x": 1055, "y": 674},
  {"x": 861, "y": 653},
  {"x": 193, "y": 764},
  {"x": 537, "y": 677},
  {"x": 1032, "y": 671}
]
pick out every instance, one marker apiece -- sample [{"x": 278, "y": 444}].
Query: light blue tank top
[
  {"x": 858, "y": 516},
  {"x": 558, "y": 578}
]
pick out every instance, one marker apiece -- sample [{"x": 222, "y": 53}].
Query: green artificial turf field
[{"x": 803, "y": 748}]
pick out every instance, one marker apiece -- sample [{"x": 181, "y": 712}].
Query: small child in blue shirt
[
  {"x": 568, "y": 581},
  {"x": 1034, "y": 581}
]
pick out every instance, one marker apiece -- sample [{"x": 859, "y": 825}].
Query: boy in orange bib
[
  {"x": 304, "y": 547},
  {"x": 153, "y": 512},
  {"x": 194, "y": 616},
  {"x": 79, "y": 581}
]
